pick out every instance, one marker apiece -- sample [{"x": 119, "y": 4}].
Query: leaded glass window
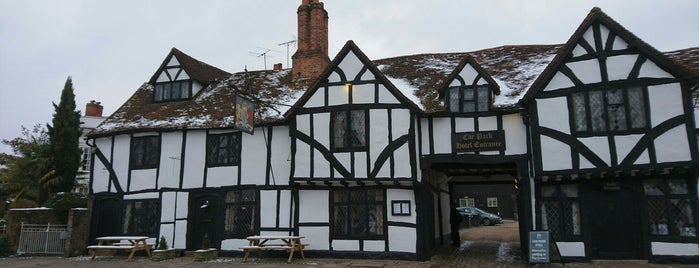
[
  {"x": 468, "y": 99},
  {"x": 223, "y": 149},
  {"x": 670, "y": 209},
  {"x": 240, "y": 213},
  {"x": 560, "y": 210},
  {"x": 358, "y": 213},
  {"x": 609, "y": 110},
  {"x": 141, "y": 217},
  {"x": 172, "y": 91},
  {"x": 145, "y": 152},
  {"x": 349, "y": 130}
]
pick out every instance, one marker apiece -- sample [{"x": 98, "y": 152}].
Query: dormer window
[
  {"x": 172, "y": 91},
  {"x": 468, "y": 99}
]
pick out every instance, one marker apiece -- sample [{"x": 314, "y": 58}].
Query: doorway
[
  {"x": 615, "y": 231},
  {"x": 206, "y": 216}
]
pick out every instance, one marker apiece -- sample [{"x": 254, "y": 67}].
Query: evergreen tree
[{"x": 64, "y": 137}]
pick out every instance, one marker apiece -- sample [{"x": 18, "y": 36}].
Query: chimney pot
[
  {"x": 93, "y": 108},
  {"x": 277, "y": 66}
]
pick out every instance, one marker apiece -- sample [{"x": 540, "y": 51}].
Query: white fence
[{"x": 42, "y": 239}]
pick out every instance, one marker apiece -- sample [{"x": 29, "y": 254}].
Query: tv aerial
[
  {"x": 262, "y": 55},
  {"x": 287, "y": 44}
]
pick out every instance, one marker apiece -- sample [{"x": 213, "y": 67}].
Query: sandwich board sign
[{"x": 539, "y": 247}]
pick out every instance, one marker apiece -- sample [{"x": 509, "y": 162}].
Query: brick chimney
[
  {"x": 311, "y": 57},
  {"x": 93, "y": 108},
  {"x": 277, "y": 66}
]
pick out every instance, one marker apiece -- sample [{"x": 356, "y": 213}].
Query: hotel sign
[{"x": 478, "y": 141}]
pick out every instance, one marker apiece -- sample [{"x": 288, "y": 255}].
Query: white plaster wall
[
  {"x": 345, "y": 245},
  {"x": 151, "y": 195},
  {"x": 182, "y": 205},
  {"x": 281, "y": 156},
  {"x": 424, "y": 135},
  {"x": 374, "y": 245},
  {"x": 173, "y": 61},
  {"x": 268, "y": 208},
  {"x": 234, "y": 244},
  {"x": 196, "y": 87},
  {"x": 334, "y": 77},
  {"x": 360, "y": 165},
  {"x": 314, "y": 206},
  {"x": 571, "y": 249},
  {"x": 167, "y": 231},
  {"x": 584, "y": 163},
  {"x": 180, "y": 234},
  {"x": 624, "y": 144},
  {"x": 315, "y": 237},
  {"x": 303, "y": 124},
  {"x": 673, "y": 146},
  {"x": 284, "y": 209},
  {"x": 650, "y": 69},
  {"x": 227, "y": 175},
  {"x": 589, "y": 36},
  {"x": 142, "y": 179},
  {"x": 317, "y": 99},
  {"x": 302, "y": 160},
  {"x": 170, "y": 160},
  {"x": 579, "y": 51},
  {"x": 446, "y": 206},
  {"x": 253, "y": 163},
  {"x": 599, "y": 146},
  {"x": 553, "y": 113},
  {"x": 675, "y": 249},
  {"x": 620, "y": 44},
  {"x": 618, "y": 67},
  {"x": 401, "y": 159},
  {"x": 402, "y": 239},
  {"x": 515, "y": 134},
  {"x": 464, "y": 124},
  {"x": 487, "y": 123},
  {"x": 663, "y": 102},
  {"x": 401, "y": 194},
  {"x": 644, "y": 158},
  {"x": 321, "y": 166},
  {"x": 120, "y": 159},
  {"x": 400, "y": 120},
  {"x": 363, "y": 93},
  {"x": 167, "y": 207},
  {"x": 378, "y": 134},
  {"x": 559, "y": 80},
  {"x": 345, "y": 161},
  {"x": 162, "y": 78},
  {"x": 587, "y": 71},
  {"x": 183, "y": 76},
  {"x": 555, "y": 155},
  {"x": 100, "y": 179},
  {"x": 195, "y": 159},
  {"x": 338, "y": 95},
  {"x": 321, "y": 128},
  {"x": 351, "y": 65},
  {"x": 442, "y": 135},
  {"x": 468, "y": 74},
  {"x": 386, "y": 96},
  {"x": 368, "y": 75}
]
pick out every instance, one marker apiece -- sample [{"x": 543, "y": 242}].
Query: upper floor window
[
  {"x": 609, "y": 110},
  {"x": 349, "y": 130},
  {"x": 469, "y": 99},
  {"x": 145, "y": 152},
  {"x": 172, "y": 91},
  {"x": 223, "y": 149}
]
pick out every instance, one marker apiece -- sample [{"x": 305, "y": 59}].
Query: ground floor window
[
  {"x": 141, "y": 217},
  {"x": 560, "y": 210},
  {"x": 670, "y": 210},
  {"x": 358, "y": 214},
  {"x": 240, "y": 212}
]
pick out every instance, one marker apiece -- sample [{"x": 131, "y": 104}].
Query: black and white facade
[{"x": 598, "y": 135}]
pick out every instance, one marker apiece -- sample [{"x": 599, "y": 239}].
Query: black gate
[{"x": 206, "y": 218}]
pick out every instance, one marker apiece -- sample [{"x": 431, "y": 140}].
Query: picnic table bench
[
  {"x": 126, "y": 243},
  {"x": 259, "y": 243}
]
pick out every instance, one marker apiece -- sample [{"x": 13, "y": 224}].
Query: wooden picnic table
[
  {"x": 261, "y": 243},
  {"x": 132, "y": 243}
]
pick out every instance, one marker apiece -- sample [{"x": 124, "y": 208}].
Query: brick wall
[{"x": 15, "y": 218}]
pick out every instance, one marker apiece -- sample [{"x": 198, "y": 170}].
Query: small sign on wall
[
  {"x": 478, "y": 141},
  {"x": 244, "y": 114},
  {"x": 539, "y": 247},
  {"x": 400, "y": 207}
]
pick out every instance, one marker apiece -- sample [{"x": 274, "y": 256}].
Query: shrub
[
  {"x": 61, "y": 204},
  {"x": 205, "y": 242},
  {"x": 162, "y": 245}
]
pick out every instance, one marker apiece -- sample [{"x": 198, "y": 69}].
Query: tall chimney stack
[
  {"x": 311, "y": 57},
  {"x": 93, "y": 108}
]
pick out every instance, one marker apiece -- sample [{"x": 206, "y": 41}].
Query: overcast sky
[{"x": 112, "y": 47}]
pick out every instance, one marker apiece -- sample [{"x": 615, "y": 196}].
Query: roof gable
[
  {"x": 190, "y": 68},
  {"x": 469, "y": 72},
  {"x": 350, "y": 66},
  {"x": 600, "y": 37}
]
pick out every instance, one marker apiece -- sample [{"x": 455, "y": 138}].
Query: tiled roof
[{"x": 514, "y": 68}]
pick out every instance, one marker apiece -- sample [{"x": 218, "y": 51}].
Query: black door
[
  {"x": 205, "y": 218},
  {"x": 615, "y": 223},
  {"x": 106, "y": 217}
]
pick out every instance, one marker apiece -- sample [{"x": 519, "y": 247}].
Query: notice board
[{"x": 539, "y": 247}]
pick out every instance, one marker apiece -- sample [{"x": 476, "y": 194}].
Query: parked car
[{"x": 485, "y": 217}]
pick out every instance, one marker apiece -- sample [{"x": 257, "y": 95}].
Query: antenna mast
[
  {"x": 287, "y": 44},
  {"x": 263, "y": 55}
]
